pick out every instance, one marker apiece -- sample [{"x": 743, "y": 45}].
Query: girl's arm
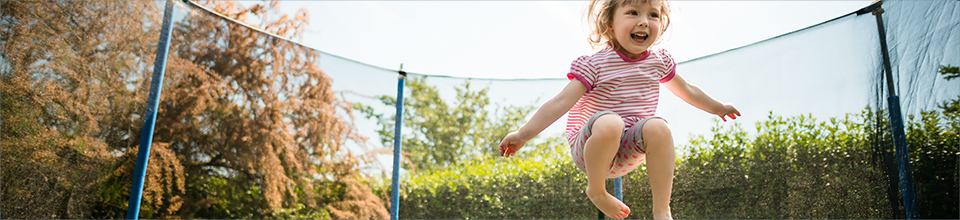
[
  {"x": 546, "y": 115},
  {"x": 696, "y": 97}
]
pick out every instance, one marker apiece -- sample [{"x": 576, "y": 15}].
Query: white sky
[{"x": 530, "y": 39}]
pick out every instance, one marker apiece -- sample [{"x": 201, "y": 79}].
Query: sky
[{"x": 530, "y": 39}]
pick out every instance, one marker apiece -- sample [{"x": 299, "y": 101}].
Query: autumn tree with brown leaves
[
  {"x": 247, "y": 126},
  {"x": 62, "y": 111}
]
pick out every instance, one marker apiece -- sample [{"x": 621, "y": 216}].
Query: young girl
[{"x": 612, "y": 98}]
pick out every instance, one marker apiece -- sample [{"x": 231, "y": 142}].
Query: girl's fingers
[
  {"x": 507, "y": 152},
  {"x": 731, "y": 115}
]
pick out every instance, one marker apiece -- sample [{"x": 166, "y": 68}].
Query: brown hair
[{"x": 600, "y": 15}]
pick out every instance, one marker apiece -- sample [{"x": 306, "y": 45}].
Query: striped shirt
[{"x": 616, "y": 83}]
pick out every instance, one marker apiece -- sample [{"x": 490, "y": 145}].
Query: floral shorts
[{"x": 632, "y": 151}]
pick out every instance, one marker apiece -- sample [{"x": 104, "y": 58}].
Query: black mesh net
[{"x": 254, "y": 125}]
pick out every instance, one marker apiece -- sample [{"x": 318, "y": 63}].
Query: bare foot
[{"x": 608, "y": 204}]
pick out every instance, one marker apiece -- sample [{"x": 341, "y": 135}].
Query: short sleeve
[
  {"x": 669, "y": 66},
  {"x": 583, "y": 69}
]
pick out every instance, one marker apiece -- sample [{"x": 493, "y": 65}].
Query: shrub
[{"x": 793, "y": 167}]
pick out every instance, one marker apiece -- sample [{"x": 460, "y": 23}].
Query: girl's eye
[
  {"x": 632, "y": 13},
  {"x": 655, "y": 15}
]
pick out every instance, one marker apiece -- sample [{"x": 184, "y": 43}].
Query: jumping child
[{"x": 612, "y": 99}]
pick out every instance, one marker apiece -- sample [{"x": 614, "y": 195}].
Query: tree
[
  {"x": 256, "y": 112},
  {"x": 443, "y": 134},
  {"x": 247, "y": 125},
  {"x": 60, "y": 67},
  {"x": 949, "y": 73}
]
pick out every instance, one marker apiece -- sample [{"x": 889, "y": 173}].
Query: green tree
[
  {"x": 438, "y": 133},
  {"x": 949, "y": 73}
]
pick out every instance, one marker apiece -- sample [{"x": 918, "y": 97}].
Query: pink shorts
[{"x": 632, "y": 151}]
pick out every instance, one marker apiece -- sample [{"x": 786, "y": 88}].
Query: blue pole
[
  {"x": 150, "y": 117},
  {"x": 618, "y": 188},
  {"x": 617, "y": 192},
  {"x": 896, "y": 123},
  {"x": 903, "y": 158},
  {"x": 395, "y": 186}
]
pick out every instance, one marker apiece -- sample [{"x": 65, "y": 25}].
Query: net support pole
[
  {"x": 150, "y": 117},
  {"x": 617, "y": 192},
  {"x": 395, "y": 185},
  {"x": 896, "y": 123},
  {"x": 618, "y": 188}
]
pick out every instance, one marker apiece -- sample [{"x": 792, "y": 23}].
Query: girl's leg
[
  {"x": 661, "y": 159},
  {"x": 598, "y": 153}
]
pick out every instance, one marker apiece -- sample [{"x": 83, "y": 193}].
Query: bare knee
[
  {"x": 609, "y": 125},
  {"x": 656, "y": 129}
]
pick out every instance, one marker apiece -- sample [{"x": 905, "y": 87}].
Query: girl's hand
[
  {"x": 728, "y": 111},
  {"x": 511, "y": 144}
]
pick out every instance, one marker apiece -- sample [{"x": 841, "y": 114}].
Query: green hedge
[
  {"x": 793, "y": 167},
  {"x": 543, "y": 186},
  {"x": 933, "y": 140}
]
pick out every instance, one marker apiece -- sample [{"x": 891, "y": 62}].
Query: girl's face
[{"x": 636, "y": 27}]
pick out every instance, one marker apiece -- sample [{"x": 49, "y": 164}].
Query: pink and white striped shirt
[{"x": 616, "y": 83}]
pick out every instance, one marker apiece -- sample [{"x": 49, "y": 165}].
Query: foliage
[
  {"x": 247, "y": 125},
  {"x": 949, "y": 72},
  {"x": 794, "y": 167},
  {"x": 442, "y": 134},
  {"x": 535, "y": 184},
  {"x": 933, "y": 143},
  {"x": 60, "y": 64}
]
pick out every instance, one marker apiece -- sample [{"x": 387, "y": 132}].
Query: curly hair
[{"x": 600, "y": 15}]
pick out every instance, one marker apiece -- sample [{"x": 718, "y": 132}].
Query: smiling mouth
[{"x": 639, "y": 36}]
